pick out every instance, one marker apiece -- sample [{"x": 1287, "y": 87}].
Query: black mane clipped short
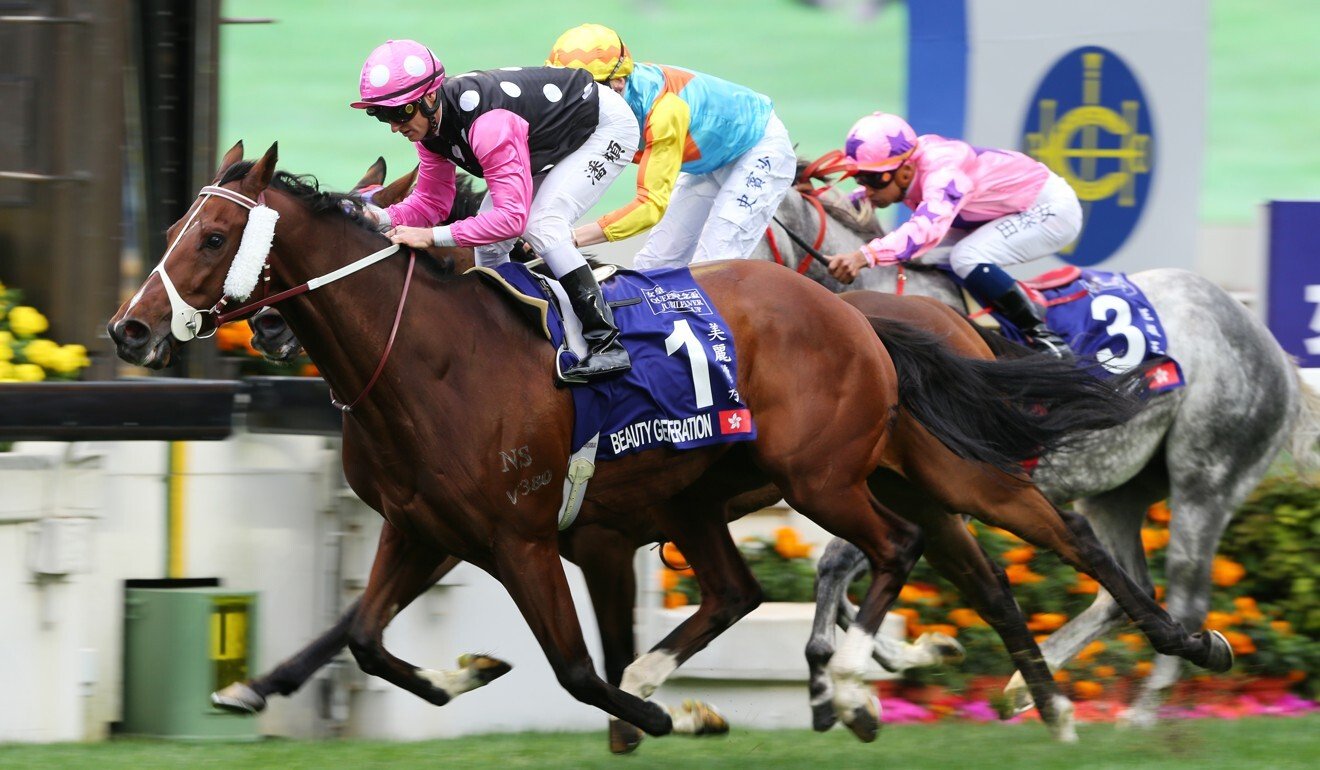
[{"x": 306, "y": 188}]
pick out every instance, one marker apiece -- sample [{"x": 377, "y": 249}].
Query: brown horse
[{"x": 423, "y": 448}]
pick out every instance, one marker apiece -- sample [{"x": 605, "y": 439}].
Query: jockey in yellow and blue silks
[{"x": 713, "y": 165}]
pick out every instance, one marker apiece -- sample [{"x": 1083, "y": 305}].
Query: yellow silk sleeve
[{"x": 664, "y": 142}]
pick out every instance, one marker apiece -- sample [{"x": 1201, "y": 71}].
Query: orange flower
[
  {"x": 941, "y": 628},
  {"x": 673, "y": 557},
  {"x": 919, "y": 593},
  {"x": 1005, "y": 534},
  {"x": 1159, "y": 512},
  {"x": 1019, "y": 574},
  {"x": 1062, "y": 677},
  {"x": 1134, "y": 642},
  {"x": 1296, "y": 675},
  {"x": 1159, "y": 593},
  {"x": 668, "y": 580},
  {"x": 1247, "y": 609},
  {"x": 1240, "y": 642},
  {"x": 971, "y": 528},
  {"x": 1220, "y": 621},
  {"x": 1040, "y": 638},
  {"x": 1281, "y": 626},
  {"x": 789, "y": 545},
  {"x": 1142, "y": 667},
  {"x": 233, "y": 336},
  {"x": 1085, "y": 585},
  {"x": 1086, "y": 689},
  {"x": 309, "y": 370},
  {"x": 675, "y": 599},
  {"x": 965, "y": 618},
  {"x": 1046, "y": 621},
  {"x": 1154, "y": 539},
  {"x": 1226, "y": 572},
  {"x": 1105, "y": 672},
  {"x": 1091, "y": 650},
  {"x": 1020, "y": 555}
]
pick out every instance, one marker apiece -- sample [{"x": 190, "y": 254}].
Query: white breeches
[
  {"x": 723, "y": 214},
  {"x": 1053, "y": 221},
  {"x": 563, "y": 194}
]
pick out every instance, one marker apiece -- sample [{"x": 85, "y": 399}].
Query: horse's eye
[{"x": 214, "y": 241}]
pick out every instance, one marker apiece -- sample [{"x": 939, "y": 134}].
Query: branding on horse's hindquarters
[
  {"x": 516, "y": 458},
  {"x": 527, "y": 486},
  {"x": 662, "y": 300}
]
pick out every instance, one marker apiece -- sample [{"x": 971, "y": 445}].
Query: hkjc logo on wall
[{"x": 1089, "y": 122}]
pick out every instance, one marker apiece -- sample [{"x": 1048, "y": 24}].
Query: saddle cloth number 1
[{"x": 684, "y": 337}]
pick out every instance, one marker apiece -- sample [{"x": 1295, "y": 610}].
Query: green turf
[{"x": 1275, "y": 743}]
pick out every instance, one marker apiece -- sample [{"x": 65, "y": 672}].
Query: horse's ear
[
  {"x": 397, "y": 190},
  {"x": 374, "y": 176},
  {"x": 234, "y": 155},
  {"x": 258, "y": 179}
]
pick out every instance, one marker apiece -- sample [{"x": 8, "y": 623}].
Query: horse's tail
[
  {"x": 1306, "y": 430},
  {"x": 1000, "y": 412}
]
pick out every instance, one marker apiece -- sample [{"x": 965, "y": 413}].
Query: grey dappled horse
[{"x": 1204, "y": 447}]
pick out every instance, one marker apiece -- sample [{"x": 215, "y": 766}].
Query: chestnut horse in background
[{"x": 423, "y": 448}]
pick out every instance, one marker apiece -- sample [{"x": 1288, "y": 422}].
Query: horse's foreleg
[
  {"x": 892, "y": 546},
  {"x": 606, "y": 559},
  {"x": 400, "y": 572},
  {"x": 250, "y": 697},
  {"x": 839, "y": 565},
  {"x": 534, "y": 578}
]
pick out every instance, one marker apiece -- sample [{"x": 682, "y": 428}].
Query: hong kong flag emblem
[
  {"x": 1166, "y": 376},
  {"x": 735, "y": 421}
]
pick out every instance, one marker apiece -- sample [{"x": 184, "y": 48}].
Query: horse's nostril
[{"x": 130, "y": 333}]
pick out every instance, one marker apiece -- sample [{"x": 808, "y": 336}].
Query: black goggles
[
  {"x": 874, "y": 179},
  {"x": 399, "y": 114}
]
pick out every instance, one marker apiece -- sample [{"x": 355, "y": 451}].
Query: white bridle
[{"x": 258, "y": 235}]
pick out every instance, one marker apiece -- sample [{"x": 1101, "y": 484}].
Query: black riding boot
[
  {"x": 1018, "y": 308},
  {"x": 605, "y": 354}
]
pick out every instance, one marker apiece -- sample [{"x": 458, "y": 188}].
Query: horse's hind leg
[
  {"x": 728, "y": 592},
  {"x": 250, "y": 697},
  {"x": 956, "y": 554},
  {"x": 400, "y": 572},
  {"x": 1117, "y": 517},
  {"x": 1020, "y": 508}
]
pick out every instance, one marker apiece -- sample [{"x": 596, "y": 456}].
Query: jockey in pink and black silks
[
  {"x": 983, "y": 208},
  {"x": 548, "y": 142}
]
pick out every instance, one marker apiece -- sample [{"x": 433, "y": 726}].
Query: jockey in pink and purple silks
[
  {"x": 548, "y": 141},
  {"x": 984, "y": 208}
]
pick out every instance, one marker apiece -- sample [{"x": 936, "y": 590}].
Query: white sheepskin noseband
[{"x": 253, "y": 249}]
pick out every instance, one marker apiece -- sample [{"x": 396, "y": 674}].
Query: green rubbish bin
[{"x": 184, "y": 639}]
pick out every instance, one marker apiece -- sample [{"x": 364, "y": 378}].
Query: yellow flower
[
  {"x": 6, "y": 352},
  {"x": 25, "y": 321},
  {"x": 29, "y": 373},
  {"x": 41, "y": 352},
  {"x": 7, "y": 372},
  {"x": 6, "y": 337}
]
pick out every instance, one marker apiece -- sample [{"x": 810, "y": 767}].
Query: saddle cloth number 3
[{"x": 1120, "y": 326}]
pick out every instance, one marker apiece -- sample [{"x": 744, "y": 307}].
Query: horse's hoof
[
  {"x": 1016, "y": 698},
  {"x": 624, "y": 737},
  {"x": 485, "y": 668},
  {"x": 823, "y": 717},
  {"x": 1136, "y": 718},
  {"x": 864, "y": 721},
  {"x": 950, "y": 651},
  {"x": 1064, "y": 725},
  {"x": 1220, "y": 658},
  {"x": 238, "y": 698},
  {"x": 697, "y": 718}
]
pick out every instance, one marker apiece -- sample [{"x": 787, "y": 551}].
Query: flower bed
[{"x": 25, "y": 355}]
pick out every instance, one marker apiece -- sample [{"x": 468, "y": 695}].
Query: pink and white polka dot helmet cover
[
  {"x": 880, "y": 142},
  {"x": 398, "y": 72}
]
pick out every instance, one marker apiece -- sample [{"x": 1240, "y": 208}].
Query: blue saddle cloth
[
  {"x": 1103, "y": 316},
  {"x": 682, "y": 390}
]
